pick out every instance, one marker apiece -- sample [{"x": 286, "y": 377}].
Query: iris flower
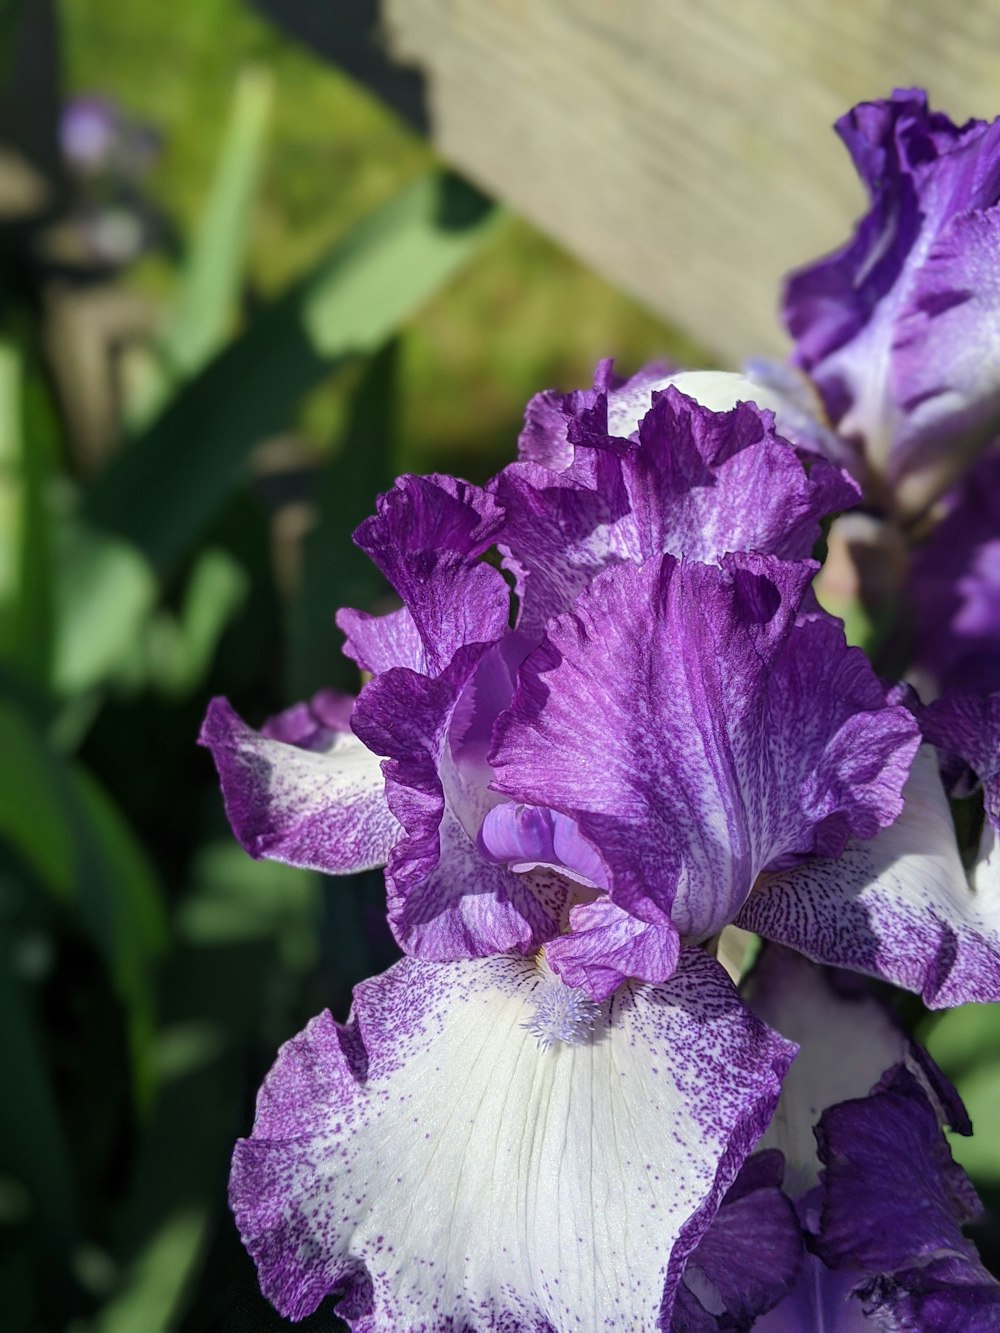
[
  {"x": 530, "y": 1121},
  {"x": 899, "y": 330}
]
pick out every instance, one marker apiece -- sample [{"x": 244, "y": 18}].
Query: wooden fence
[{"x": 683, "y": 147}]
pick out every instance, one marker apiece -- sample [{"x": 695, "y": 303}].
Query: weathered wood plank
[{"x": 682, "y": 148}]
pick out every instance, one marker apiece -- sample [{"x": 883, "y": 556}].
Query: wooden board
[{"x": 683, "y": 147}]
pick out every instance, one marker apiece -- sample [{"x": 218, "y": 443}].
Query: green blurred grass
[{"x": 524, "y": 317}]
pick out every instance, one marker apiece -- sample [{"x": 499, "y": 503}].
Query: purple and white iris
[
  {"x": 584, "y": 777},
  {"x": 609, "y": 720}
]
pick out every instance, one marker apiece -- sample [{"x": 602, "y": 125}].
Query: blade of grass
[
  {"x": 167, "y": 485},
  {"x": 335, "y": 572},
  {"x": 80, "y": 849},
  {"x": 211, "y": 278},
  {"x": 32, "y": 1145}
]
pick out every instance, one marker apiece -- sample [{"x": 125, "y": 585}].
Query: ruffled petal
[
  {"x": 698, "y": 483},
  {"x": 427, "y": 537},
  {"x": 899, "y": 328},
  {"x": 946, "y": 349},
  {"x": 899, "y": 906},
  {"x": 606, "y": 946},
  {"x": 698, "y": 734},
  {"x": 893, "y": 1195},
  {"x": 446, "y": 900},
  {"x": 434, "y": 1166},
  {"x": 322, "y": 807},
  {"x": 748, "y": 1259}
]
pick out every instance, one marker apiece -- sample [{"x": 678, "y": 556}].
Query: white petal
[
  {"x": 435, "y": 1163},
  {"x": 897, "y": 906},
  {"x": 324, "y": 810}
]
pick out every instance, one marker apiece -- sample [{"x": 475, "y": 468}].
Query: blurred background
[{"x": 240, "y": 293}]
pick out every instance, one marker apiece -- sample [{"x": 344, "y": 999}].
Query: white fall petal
[{"x": 444, "y": 1167}]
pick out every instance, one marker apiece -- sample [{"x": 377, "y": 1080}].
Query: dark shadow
[{"x": 348, "y": 34}]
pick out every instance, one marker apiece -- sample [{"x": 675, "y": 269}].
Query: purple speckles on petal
[
  {"x": 436, "y": 1167},
  {"x": 698, "y": 735},
  {"x": 319, "y": 802}
]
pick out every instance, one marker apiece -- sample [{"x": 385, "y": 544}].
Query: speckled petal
[
  {"x": 322, "y": 807},
  {"x": 606, "y": 946},
  {"x": 898, "y": 906},
  {"x": 698, "y": 483},
  {"x": 698, "y": 734},
  {"x": 434, "y": 1166}
]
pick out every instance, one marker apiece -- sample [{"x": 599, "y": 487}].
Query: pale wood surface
[{"x": 683, "y": 147}]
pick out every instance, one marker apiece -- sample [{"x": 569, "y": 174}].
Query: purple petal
[
  {"x": 899, "y": 906},
  {"x": 750, "y": 1256},
  {"x": 438, "y": 1169},
  {"x": 899, "y": 328},
  {"x": 944, "y": 378},
  {"x": 893, "y": 1196},
  {"x": 968, "y": 726},
  {"x": 426, "y": 537},
  {"x": 821, "y": 1299},
  {"x": 446, "y": 900},
  {"x": 698, "y": 735},
  {"x": 954, "y": 1295},
  {"x": 322, "y": 807},
  {"x": 549, "y": 415},
  {"x": 606, "y": 946},
  {"x": 526, "y": 836},
  {"x": 955, "y": 587},
  {"x": 312, "y": 725},
  {"x": 698, "y": 484}
]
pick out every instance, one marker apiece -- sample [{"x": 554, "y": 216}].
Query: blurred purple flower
[{"x": 900, "y": 329}]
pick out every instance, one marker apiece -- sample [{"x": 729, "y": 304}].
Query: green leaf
[
  {"x": 74, "y": 839},
  {"x": 121, "y": 903},
  {"x": 33, "y": 1148},
  {"x": 180, "y": 648},
  {"x": 167, "y": 485},
  {"x": 25, "y": 588},
  {"x": 105, "y": 592},
  {"x": 335, "y": 572},
  {"x": 212, "y": 275},
  {"x": 240, "y": 899},
  {"x": 158, "y": 1275},
  {"x": 33, "y": 801}
]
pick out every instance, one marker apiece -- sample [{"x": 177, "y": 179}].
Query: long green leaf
[
  {"x": 77, "y": 844},
  {"x": 211, "y": 279},
  {"x": 213, "y": 273},
  {"x": 25, "y": 565},
  {"x": 335, "y": 573},
  {"x": 33, "y": 1147},
  {"x": 162, "y": 490}
]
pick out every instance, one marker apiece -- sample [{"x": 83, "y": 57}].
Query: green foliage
[
  {"x": 307, "y": 305},
  {"x": 163, "y": 489}
]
